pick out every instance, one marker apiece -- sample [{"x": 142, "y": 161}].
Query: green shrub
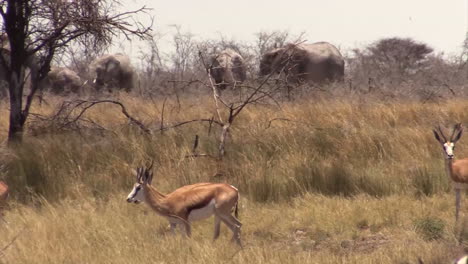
[{"x": 430, "y": 228}]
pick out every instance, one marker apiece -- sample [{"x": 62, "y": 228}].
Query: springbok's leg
[
  {"x": 173, "y": 228},
  {"x": 182, "y": 222},
  {"x": 234, "y": 225},
  {"x": 457, "y": 203},
  {"x": 188, "y": 229},
  {"x": 217, "y": 227}
]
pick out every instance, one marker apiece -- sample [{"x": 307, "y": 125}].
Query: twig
[
  {"x": 195, "y": 144},
  {"x": 211, "y": 121},
  {"x": 162, "y": 116},
  {"x": 123, "y": 109},
  {"x": 292, "y": 121},
  {"x": 201, "y": 156},
  {"x": 211, "y": 125},
  {"x": 215, "y": 91},
  {"x": 278, "y": 119},
  {"x": 2, "y": 250}
]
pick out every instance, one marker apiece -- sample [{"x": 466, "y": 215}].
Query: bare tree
[
  {"x": 152, "y": 64},
  {"x": 465, "y": 49},
  {"x": 185, "y": 49},
  {"x": 40, "y": 29},
  {"x": 269, "y": 40}
]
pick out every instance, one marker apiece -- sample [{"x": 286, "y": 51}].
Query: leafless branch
[
  {"x": 215, "y": 91},
  {"x": 90, "y": 104},
  {"x": 162, "y": 116},
  {"x": 211, "y": 121},
  {"x": 195, "y": 153}
]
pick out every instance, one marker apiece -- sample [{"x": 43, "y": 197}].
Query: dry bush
[
  {"x": 405, "y": 68},
  {"x": 392, "y": 59}
]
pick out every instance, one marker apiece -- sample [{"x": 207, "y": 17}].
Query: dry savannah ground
[{"x": 328, "y": 181}]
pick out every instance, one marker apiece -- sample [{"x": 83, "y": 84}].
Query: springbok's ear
[
  {"x": 135, "y": 173},
  {"x": 437, "y": 136},
  {"x": 459, "y": 132}
]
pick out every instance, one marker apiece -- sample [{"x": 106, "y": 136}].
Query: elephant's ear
[{"x": 112, "y": 64}]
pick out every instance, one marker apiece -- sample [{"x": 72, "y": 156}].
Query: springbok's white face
[
  {"x": 143, "y": 177},
  {"x": 448, "y": 143},
  {"x": 136, "y": 195},
  {"x": 449, "y": 147}
]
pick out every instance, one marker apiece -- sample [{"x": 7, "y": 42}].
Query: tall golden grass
[{"x": 322, "y": 181}]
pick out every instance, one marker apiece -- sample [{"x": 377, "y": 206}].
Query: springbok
[
  {"x": 4, "y": 191},
  {"x": 457, "y": 170},
  {"x": 190, "y": 203},
  {"x": 463, "y": 260}
]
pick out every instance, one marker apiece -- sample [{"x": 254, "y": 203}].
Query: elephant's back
[
  {"x": 124, "y": 59},
  {"x": 323, "y": 51},
  {"x": 228, "y": 58}
]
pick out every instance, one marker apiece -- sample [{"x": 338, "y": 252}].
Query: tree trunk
[{"x": 17, "y": 119}]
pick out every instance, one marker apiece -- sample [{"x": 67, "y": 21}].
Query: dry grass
[
  {"x": 311, "y": 229},
  {"x": 342, "y": 181}
]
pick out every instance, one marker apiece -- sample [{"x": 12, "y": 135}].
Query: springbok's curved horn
[
  {"x": 456, "y": 128},
  {"x": 138, "y": 174},
  {"x": 151, "y": 166},
  {"x": 439, "y": 129}
]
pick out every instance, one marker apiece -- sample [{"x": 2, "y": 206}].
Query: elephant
[
  {"x": 227, "y": 68},
  {"x": 317, "y": 62},
  {"x": 63, "y": 80},
  {"x": 113, "y": 71}
]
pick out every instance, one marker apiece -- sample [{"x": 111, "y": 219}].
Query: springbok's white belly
[
  {"x": 459, "y": 185},
  {"x": 202, "y": 213}
]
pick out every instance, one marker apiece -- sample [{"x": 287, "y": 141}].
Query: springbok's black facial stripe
[{"x": 137, "y": 189}]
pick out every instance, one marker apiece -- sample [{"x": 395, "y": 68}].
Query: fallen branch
[
  {"x": 211, "y": 121},
  {"x": 292, "y": 121},
  {"x": 122, "y": 107}
]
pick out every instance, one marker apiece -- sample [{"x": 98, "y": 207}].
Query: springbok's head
[
  {"x": 144, "y": 176},
  {"x": 448, "y": 144}
]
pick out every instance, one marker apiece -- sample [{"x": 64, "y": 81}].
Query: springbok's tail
[{"x": 236, "y": 210}]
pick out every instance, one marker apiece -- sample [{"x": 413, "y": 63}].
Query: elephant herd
[
  {"x": 318, "y": 62},
  {"x": 111, "y": 71}
]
